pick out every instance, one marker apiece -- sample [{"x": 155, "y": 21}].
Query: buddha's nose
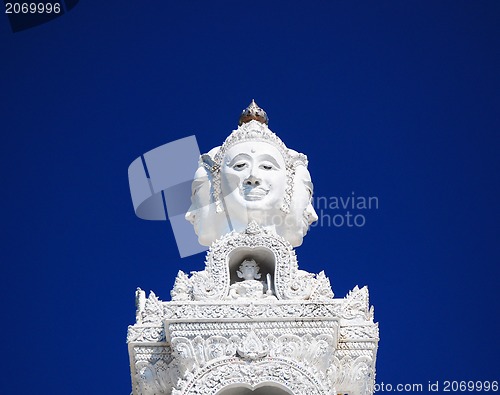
[
  {"x": 252, "y": 181},
  {"x": 312, "y": 216}
]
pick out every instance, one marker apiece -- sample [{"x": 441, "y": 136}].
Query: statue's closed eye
[{"x": 240, "y": 166}]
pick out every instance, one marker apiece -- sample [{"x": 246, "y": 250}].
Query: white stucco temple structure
[{"x": 252, "y": 322}]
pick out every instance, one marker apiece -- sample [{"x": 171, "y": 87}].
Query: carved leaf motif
[
  {"x": 153, "y": 310},
  {"x": 204, "y": 286},
  {"x": 253, "y": 228},
  {"x": 183, "y": 289},
  {"x": 217, "y": 347},
  {"x": 362, "y": 375},
  {"x": 145, "y": 334},
  {"x": 154, "y": 378},
  {"x": 185, "y": 355},
  {"x": 299, "y": 286},
  {"x": 252, "y": 347},
  {"x": 288, "y": 346},
  {"x": 356, "y": 304},
  {"x": 323, "y": 289},
  {"x": 164, "y": 376},
  {"x": 199, "y": 350}
]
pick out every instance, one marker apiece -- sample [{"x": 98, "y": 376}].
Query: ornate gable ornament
[
  {"x": 252, "y": 319},
  {"x": 277, "y": 256}
]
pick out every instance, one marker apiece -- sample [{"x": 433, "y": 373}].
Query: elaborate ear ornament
[{"x": 207, "y": 162}]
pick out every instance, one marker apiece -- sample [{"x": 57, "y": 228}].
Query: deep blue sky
[{"x": 394, "y": 99}]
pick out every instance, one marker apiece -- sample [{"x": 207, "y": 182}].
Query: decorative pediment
[{"x": 276, "y": 260}]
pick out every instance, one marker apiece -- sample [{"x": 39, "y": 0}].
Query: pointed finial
[{"x": 253, "y": 111}]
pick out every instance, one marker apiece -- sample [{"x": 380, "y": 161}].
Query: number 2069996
[{"x": 33, "y": 8}]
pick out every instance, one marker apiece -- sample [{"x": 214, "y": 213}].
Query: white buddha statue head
[{"x": 253, "y": 176}]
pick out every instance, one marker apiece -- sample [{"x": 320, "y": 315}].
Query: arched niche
[
  {"x": 263, "y": 256},
  {"x": 275, "y": 253}
]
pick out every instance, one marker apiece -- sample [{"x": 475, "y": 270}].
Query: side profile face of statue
[
  {"x": 200, "y": 198},
  {"x": 302, "y": 213},
  {"x": 208, "y": 224},
  {"x": 253, "y": 181}
]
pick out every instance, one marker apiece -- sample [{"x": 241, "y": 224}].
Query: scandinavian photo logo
[{"x": 344, "y": 211}]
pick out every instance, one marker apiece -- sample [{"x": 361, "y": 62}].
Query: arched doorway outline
[
  {"x": 223, "y": 374},
  {"x": 278, "y": 386}
]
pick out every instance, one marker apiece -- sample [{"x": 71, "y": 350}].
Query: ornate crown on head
[
  {"x": 253, "y": 111},
  {"x": 253, "y": 127}
]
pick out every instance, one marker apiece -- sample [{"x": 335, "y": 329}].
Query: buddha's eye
[
  {"x": 267, "y": 166},
  {"x": 240, "y": 166}
]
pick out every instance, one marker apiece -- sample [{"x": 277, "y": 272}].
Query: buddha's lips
[{"x": 254, "y": 193}]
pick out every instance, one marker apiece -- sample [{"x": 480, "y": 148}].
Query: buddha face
[
  {"x": 208, "y": 224},
  {"x": 302, "y": 213},
  {"x": 249, "y": 270},
  {"x": 253, "y": 178}
]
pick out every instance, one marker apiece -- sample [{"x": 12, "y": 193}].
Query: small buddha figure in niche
[{"x": 251, "y": 287}]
